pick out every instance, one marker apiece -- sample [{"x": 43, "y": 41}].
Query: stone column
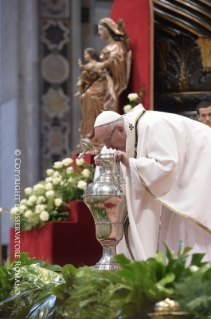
[{"x": 19, "y": 109}]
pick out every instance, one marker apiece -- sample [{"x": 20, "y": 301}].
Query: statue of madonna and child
[{"x": 101, "y": 82}]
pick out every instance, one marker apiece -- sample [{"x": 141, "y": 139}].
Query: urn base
[{"x": 107, "y": 262}]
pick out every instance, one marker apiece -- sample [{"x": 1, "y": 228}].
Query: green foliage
[
  {"x": 57, "y": 293},
  {"x": 194, "y": 293},
  {"x": 86, "y": 295},
  {"x": 34, "y": 279}
]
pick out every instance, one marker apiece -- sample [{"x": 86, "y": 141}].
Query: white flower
[
  {"x": 56, "y": 174},
  {"x": 14, "y": 210},
  {"x": 193, "y": 268},
  {"x": 23, "y": 201},
  {"x": 50, "y": 194},
  {"x": 67, "y": 161},
  {"x": 44, "y": 216},
  {"x": 70, "y": 180},
  {"x": 22, "y": 208},
  {"x": 57, "y": 180},
  {"x": 48, "y": 186},
  {"x": 49, "y": 179},
  {"x": 80, "y": 162},
  {"x": 28, "y": 213},
  {"x": 32, "y": 200},
  {"x": 41, "y": 199},
  {"x": 39, "y": 189},
  {"x": 127, "y": 108},
  {"x": 50, "y": 172},
  {"x": 28, "y": 191},
  {"x": 69, "y": 170},
  {"x": 132, "y": 96},
  {"x": 82, "y": 184},
  {"x": 58, "y": 165},
  {"x": 38, "y": 186},
  {"x": 40, "y": 208},
  {"x": 86, "y": 172},
  {"x": 58, "y": 201}
]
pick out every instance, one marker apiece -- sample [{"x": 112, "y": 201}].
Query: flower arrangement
[
  {"x": 135, "y": 99},
  {"x": 48, "y": 200}
]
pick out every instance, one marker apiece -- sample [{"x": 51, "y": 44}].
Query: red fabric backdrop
[{"x": 137, "y": 17}]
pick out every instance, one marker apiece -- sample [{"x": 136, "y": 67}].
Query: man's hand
[{"x": 122, "y": 157}]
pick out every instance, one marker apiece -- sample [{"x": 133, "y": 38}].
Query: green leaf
[
  {"x": 122, "y": 260},
  {"x": 196, "y": 259},
  {"x": 42, "y": 307},
  {"x": 120, "y": 293}
]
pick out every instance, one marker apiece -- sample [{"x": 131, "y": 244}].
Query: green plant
[
  {"x": 34, "y": 279},
  {"x": 51, "y": 292},
  {"x": 48, "y": 200}
]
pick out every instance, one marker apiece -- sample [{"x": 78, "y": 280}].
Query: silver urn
[{"x": 107, "y": 202}]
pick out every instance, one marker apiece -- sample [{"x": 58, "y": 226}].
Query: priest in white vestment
[{"x": 166, "y": 164}]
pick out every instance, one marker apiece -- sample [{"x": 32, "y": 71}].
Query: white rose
[
  {"x": 28, "y": 213},
  {"x": 22, "y": 208},
  {"x": 28, "y": 191},
  {"x": 40, "y": 208},
  {"x": 49, "y": 179},
  {"x": 38, "y": 186},
  {"x": 132, "y": 96},
  {"x": 50, "y": 194},
  {"x": 48, "y": 186},
  {"x": 127, "y": 108},
  {"x": 39, "y": 189},
  {"x": 31, "y": 201},
  {"x": 57, "y": 180},
  {"x": 193, "y": 268},
  {"x": 69, "y": 170},
  {"x": 44, "y": 216},
  {"x": 86, "y": 172},
  {"x": 80, "y": 162},
  {"x": 14, "y": 210},
  {"x": 56, "y": 174},
  {"x": 58, "y": 165},
  {"x": 70, "y": 180},
  {"x": 50, "y": 172},
  {"x": 58, "y": 201},
  {"x": 41, "y": 199},
  {"x": 67, "y": 161},
  {"x": 23, "y": 201},
  {"x": 82, "y": 184}
]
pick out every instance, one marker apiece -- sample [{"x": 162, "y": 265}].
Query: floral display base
[{"x": 70, "y": 242}]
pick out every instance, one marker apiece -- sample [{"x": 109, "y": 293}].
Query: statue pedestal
[{"x": 70, "y": 242}]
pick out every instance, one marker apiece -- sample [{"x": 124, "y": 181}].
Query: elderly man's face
[
  {"x": 205, "y": 115},
  {"x": 115, "y": 139}
]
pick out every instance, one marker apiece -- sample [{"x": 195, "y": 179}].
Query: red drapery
[{"x": 138, "y": 18}]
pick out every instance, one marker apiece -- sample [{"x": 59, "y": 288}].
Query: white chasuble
[{"x": 169, "y": 175}]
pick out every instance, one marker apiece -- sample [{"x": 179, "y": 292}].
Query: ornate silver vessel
[{"x": 107, "y": 203}]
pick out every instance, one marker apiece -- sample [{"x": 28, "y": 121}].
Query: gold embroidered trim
[
  {"x": 136, "y": 131},
  {"x": 173, "y": 210}
]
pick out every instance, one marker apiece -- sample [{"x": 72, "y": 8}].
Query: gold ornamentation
[{"x": 167, "y": 309}]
